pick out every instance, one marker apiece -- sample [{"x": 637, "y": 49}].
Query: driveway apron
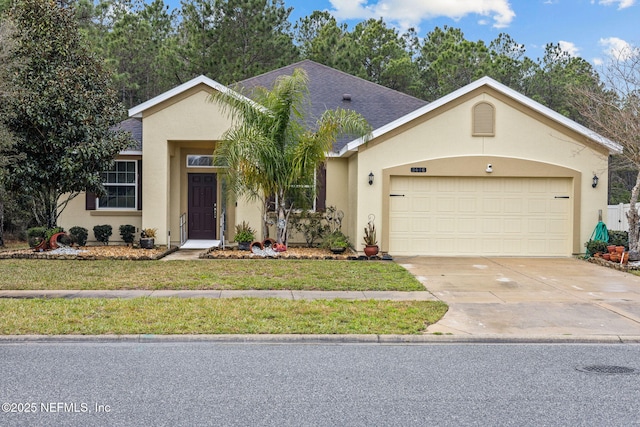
[{"x": 529, "y": 296}]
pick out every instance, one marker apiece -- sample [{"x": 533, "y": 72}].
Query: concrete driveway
[{"x": 530, "y": 296}]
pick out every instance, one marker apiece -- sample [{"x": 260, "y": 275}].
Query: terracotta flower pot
[
  {"x": 611, "y": 248},
  {"x": 606, "y": 257},
  {"x": 268, "y": 243},
  {"x": 619, "y": 249},
  {"x": 370, "y": 250},
  {"x": 256, "y": 244},
  {"x": 625, "y": 257}
]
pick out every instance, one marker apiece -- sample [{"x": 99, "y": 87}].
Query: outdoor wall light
[
  {"x": 489, "y": 168},
  {"x": 594, "y": 184},
  {"x": 370, "y": 178}
]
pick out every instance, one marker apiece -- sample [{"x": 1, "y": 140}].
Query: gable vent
[{"x": 483, "y": 119}]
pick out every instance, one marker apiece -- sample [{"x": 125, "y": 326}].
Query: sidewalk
[{"x": 287, "y": 294}]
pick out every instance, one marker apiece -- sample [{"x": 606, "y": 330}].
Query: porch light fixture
[
  {"x": 370, "y": 178},
  {"x": 594, "y": 184},
  {"x": 489, "y": 168}
]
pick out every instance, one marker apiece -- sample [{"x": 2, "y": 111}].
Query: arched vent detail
[{"x": 484, "y": 119}]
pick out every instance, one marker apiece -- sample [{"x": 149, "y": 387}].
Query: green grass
[
  {"x": 29, "y": 274},
  {"x": 212, "y": 316}
]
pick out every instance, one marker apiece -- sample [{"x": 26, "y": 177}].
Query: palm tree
[{"x": 268, "y": 150}]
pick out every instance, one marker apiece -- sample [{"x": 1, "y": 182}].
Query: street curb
[{"x": 323, "y": 339}]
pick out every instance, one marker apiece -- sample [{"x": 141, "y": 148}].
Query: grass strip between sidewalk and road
[
  {"x": 322, "y": 275},
  {"x": 168, "y": 316}
]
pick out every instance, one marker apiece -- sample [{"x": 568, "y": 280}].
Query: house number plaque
[{"x": 418, "y": 170}]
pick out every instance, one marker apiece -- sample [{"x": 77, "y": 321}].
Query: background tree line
[{"x": 150, "y": 48}]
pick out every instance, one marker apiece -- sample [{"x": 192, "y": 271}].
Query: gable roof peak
[
  {"x": 612, "y": 146},
  {"x": 201, "y": 79}
]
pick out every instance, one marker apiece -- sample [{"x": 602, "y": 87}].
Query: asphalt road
[{"x": 195, "y": 384}]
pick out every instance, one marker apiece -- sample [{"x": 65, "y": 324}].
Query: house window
[
  {"x": 483, "y": 119},
  {"x": 303, "y": 196},
  {"x": 199, "y": 161},
  {"x": 120, "y": 183}
]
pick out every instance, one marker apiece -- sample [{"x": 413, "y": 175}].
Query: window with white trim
[
  {"x": 302, "y": 196},
  {"x": 121, "y": 185}
]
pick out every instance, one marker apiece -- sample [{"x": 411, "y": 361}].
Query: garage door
[{"x": 480, "y": 216}]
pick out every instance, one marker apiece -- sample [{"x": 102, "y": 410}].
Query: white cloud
[
  {"x": 622, "y": 4},
  {"x": 569, "y": 47},
  {"x": 617, "y": 48},
  {"x": 409, "y": 13}
]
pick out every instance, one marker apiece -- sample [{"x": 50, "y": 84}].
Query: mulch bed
[
  {"x": 290, "y": 253},
  {"x": 133, "y": 253},
  {"x": 92, "y": 253}
]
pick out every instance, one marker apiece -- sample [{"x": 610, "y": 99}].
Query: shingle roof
[
  {"x": 327, "y": 86},
  {"x": 134, "y": 127}
]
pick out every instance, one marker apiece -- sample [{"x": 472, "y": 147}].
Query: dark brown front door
[{"x": 202, "y": 209}]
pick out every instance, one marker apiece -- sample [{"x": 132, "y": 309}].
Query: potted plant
[
  {"x": 147, "y": 238},
  {"x": 336, "y": 242},
  {"x": 244, "y": 236},
  {"x": 370, "y": 239}
]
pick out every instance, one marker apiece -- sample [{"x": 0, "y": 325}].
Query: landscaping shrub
[
  {"x": 335, "y": 239},
  {"x": 128, "y": 233},
  {"x": 51, "y": 231},
  {"x": 79, "y": 235},
  {"x": 619, "y": 238},
  {"x": 35, "y": 235},
  {"x": 102, "y": 233},
  {"x": 594, "y": 246},
  {"x": 310, "y": 225}
]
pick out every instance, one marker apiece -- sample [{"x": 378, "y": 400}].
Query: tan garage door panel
[{"x": 480, "y": 216}]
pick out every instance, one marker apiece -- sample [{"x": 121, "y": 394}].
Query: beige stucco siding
[
  {"x": 525, "y": 144},
  {"x": 75, "y": 215},
  {"x": 185, "y": 124}
]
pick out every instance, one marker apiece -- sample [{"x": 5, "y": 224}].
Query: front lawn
[
  {"x": 213, "y": 316},
  {"x": 325, "y": 275}
]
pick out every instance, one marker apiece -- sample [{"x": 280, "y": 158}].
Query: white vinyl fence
[{"x": 617, "y": 217}]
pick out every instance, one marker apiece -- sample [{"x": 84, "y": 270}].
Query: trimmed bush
[
  {"x": 35, "y": 236},
  {"x": 79, "y": 235},
  {"x": 127, "y": 232},
  {"x": 619, "y": 238},
  {"x": 102, "y": 233},
  {"x": 594, "y": 246}
]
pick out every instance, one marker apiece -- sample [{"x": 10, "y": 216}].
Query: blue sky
[{"x": 586, "y": 28}]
